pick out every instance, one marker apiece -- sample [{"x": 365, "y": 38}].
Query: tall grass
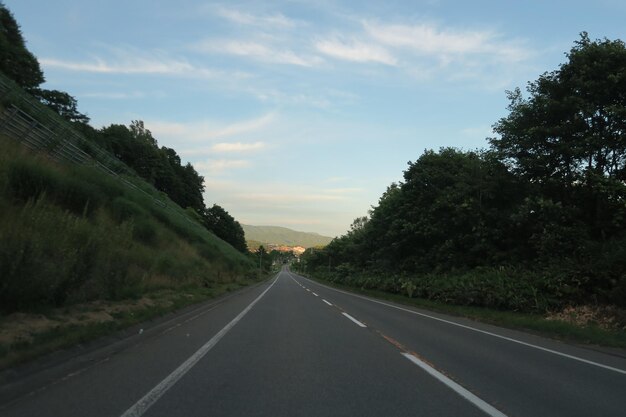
[{"x": 72, "y": 234}]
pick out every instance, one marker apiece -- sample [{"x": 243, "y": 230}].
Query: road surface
[{"x": 293, "y": 347}]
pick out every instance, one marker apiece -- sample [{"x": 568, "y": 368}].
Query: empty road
[{"x": 293, "y": 347}]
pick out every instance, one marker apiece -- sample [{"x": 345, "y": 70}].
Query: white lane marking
[
  {"x": 481, "y": 404},
  {"x": 200, "y": 314},
  {"x": 141, "y": 406},
  {"x": 314, "y": 294},
  {"x": 358, "y": 323},
  {"x": 510, "y": 339},
  {"x": 296, "y": 281},
  {"x": 326, "y": 302},
  {"x": 308, "y": 290}
]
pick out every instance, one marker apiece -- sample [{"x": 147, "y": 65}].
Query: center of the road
[{"x": 424, "y": 365}]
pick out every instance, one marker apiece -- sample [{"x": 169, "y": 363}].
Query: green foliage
[
  {"x": 535, "y": 223},
  {"x": 30, "y": 179},
  {"x": 17, "y": 62},
  {"x": 72, "y": 234},
  {"x": 217, "y": 220},
  {"x": 135, "y": 146},
  {"x": 62, "y": 103}
]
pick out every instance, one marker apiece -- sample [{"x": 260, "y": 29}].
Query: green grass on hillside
[{"x": 71, "y": 234}]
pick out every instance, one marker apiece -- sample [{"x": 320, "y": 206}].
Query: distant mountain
[{"x": 274, "y": 235}]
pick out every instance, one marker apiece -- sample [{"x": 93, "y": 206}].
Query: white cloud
[
  {"x": 218, "y": 166},
  {"x": 206, "y": 130},
  {"x": 115, "y": 95},
  {"x": 429, "y": 39},
  {"x": 237, "y": 147},
  {"x": 131, "y": 61},
  {"x": 355, "y": 50},
  {"x": 257, "y": 50},
  {"x": 272, "y": 21},
  {"x": 130, "y": 66},
  {"x": 223, "y": 147},
  {"x": 284, "y": 198}
]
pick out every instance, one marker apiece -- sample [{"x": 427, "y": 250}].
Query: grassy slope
[
  {"x": 72, "y": 235},
  {"x": 284, "y": 236}
]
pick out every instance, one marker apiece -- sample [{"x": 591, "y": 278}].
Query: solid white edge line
[
  {"x": 481, "y": 404},
  {"x": 555, "y": 352},
  {"x": 358, "y": 323},
  {"x": 326, "y": 302},
  {"x": 141, "y": 406}
]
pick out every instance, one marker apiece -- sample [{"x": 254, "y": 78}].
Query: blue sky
[{"x": 301, "y": 113}]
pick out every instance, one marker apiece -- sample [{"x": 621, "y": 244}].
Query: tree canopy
[
  {"x": 134, "y": 144},
  {"x": 543, "y": 211},
  {"x": 19, "y": 64},
  {"x": 16, "y": 61},
  {"x": 225, "y": 227}
]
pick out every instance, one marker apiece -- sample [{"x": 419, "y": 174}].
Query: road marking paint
[
  {"x": 200, "y": 314},
  {"x": 141, "y": 406},
  {"x": 510, "y": 339},
  {"x": 326, "y": 302},
  {"x": 308, "y": 290},
  {"x": 169, "y": 329},
  {"x": 358, "y": 323},
  {"x": 314, "y": 294},
  {"x": 481, "y": 404}
]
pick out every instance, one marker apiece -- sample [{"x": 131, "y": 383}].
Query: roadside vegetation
[
  {"x": 535, "y": 224},
  {"x": 85, "y": 252},
  {"x": 70, "y": 235}
]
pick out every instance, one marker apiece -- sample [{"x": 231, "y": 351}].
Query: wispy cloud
[
  {"x": 431, "y": 39},
  {"x": 355, "y": 50},
  {"x": 115, "y": 95},
  {"x": 282, "y": 198},
  {"x": 129, "y": 60},
  {"x": 237, "y": 147},
  {"x": 219, "y": 166},
  {"x": 207, "y": 130},
  {"x": 265, "y": 52},
  {"x": 223, "y": 147},
  {"x": 272, "y": 21}
]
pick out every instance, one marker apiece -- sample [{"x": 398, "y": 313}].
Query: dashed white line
[
  {"x": 314, "y": 294},
  {"x": 358, "y": 323},
  {"x": 326, "y": 302},
  {"x": 482, "y": 405},
  {"x": 510, "y": 339}
]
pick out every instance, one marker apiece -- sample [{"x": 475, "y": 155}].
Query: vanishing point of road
[{"x": 293, "y": 347}]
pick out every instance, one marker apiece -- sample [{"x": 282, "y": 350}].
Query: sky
[{"x": 301, "y": 113}]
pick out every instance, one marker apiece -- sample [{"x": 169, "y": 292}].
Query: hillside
[{"x": 282, "y": 236}]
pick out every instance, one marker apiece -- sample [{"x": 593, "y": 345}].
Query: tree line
[
  {"x": 534, "y": 222},
  {"x": 134, "y": 144}
]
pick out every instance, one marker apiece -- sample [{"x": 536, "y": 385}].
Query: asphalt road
[{"x": 292, "y": 347}]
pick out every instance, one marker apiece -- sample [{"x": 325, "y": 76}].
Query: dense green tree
[
  {"x": 538, "y": 220},
  {"x": 136, "y": 147},
  {"x": 62, "y": 103},
  {"x": 225, "y": 227},
  {"x": 568, "y": 138},
  {"x": 17, "y": 62}
]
